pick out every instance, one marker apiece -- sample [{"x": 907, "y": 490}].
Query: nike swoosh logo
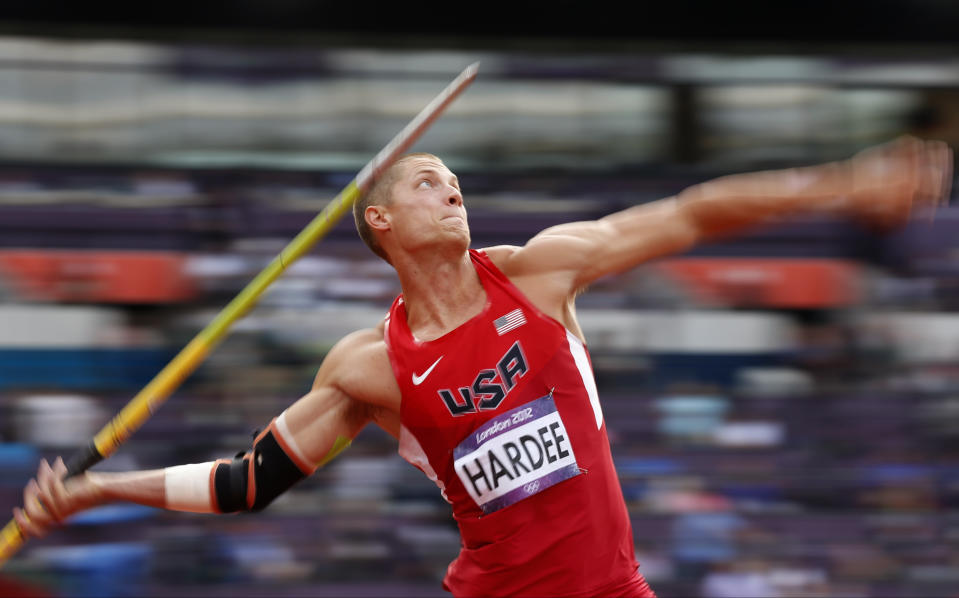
[{"x": 417, "y": 380}]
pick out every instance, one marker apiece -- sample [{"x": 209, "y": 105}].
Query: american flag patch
[{"x": 510, "y": 321}]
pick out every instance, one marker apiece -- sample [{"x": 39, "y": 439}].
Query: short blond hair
[{"x": 380, "y": 194}]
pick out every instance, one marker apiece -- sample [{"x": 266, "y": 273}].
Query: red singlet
[{"x": 502, "y": 414}]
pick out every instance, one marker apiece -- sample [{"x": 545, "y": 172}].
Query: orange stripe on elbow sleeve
[{"x": 305, "y": 466}]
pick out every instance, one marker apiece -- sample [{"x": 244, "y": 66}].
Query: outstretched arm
[
  {"x": 880, "y": 187},
  {"x": 303, "y": 438}
]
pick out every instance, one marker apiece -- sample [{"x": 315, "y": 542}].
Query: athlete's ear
[{"x": 377, "y": 217}]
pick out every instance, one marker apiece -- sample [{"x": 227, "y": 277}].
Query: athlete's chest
[
  {"x": 479, "y": 366},
  {"x": 488, "y": 408}
]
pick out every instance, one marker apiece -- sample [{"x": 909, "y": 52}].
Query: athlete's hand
[
  {"x": 892, "y": 181},
  {"x": 48, "y": 500}
]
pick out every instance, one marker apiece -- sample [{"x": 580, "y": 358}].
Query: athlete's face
[{"x": 426, "y": 206}]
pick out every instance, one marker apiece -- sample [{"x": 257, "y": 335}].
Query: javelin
[{"x": 148, "y": 400}]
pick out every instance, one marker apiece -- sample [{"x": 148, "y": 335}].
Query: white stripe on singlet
[
  {"x": 578, "y": 351},
  {"x": 412, "y": 451}
]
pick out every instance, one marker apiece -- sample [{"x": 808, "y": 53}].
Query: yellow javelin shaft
[{"x": 148, "y": 400}]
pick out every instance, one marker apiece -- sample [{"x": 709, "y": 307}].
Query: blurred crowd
[{"x": 783, "y": 408}]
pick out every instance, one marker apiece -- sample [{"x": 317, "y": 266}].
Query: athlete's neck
[{"x": 440, "y": 295}]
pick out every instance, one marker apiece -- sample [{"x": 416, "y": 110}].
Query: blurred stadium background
[{"x": 783, "y": 408}]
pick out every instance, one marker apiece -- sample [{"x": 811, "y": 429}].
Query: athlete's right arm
[{"x": 351, "y": 389}]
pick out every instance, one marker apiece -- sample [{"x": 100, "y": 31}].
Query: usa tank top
[{"x": 502, "y": 413}]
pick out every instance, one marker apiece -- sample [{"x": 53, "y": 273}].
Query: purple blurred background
[{"x": 783, "y": 408}]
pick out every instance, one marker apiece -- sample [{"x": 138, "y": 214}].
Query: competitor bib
[{"x": 515, "y": 455}]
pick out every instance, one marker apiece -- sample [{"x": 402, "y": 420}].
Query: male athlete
[{"x": 480, "y": 370}]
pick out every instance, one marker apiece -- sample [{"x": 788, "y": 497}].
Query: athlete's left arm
[{"x": 880, "y": 187}]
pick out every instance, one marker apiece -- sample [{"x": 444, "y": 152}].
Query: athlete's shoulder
[
  {"x": 359, "y": 347},
  {"x": 500, "y": 255},
  {"x": 359, "y": 364}
]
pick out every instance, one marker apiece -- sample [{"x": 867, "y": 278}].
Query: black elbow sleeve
[{"x": 252, "y": 480}]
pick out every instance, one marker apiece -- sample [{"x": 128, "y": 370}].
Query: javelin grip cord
[{"x": 83, "y": 460}]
